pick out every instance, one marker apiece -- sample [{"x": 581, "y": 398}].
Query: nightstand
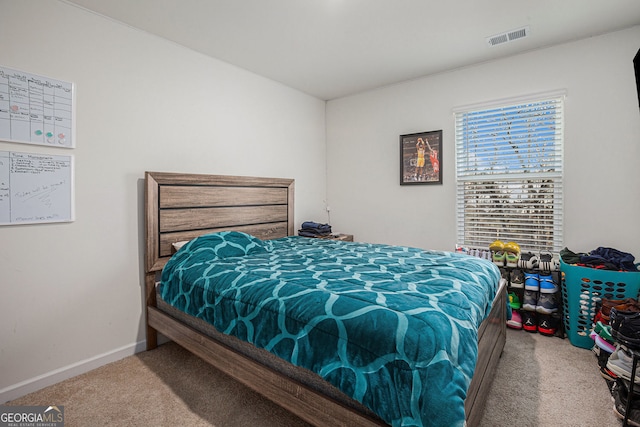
[{"x": 343, "y": 237}]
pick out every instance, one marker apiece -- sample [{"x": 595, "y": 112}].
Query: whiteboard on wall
[
  {"x": 35, "y": 188},
  {"x": 36, "y": 109}
]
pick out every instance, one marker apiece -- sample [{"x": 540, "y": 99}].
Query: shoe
[
  {"x": 547, "y": 325},
  {"x": 497, "y": 253},
  {"x": 528, "y": 261},
  {"x": 608, "y": 304},
  {"x": 548, "y": 262},
  {"x": 546, "y": 304},
  {"x": 607, "y": 374},
  {"x": 530, "y": 301},
  {"x": 603, "y": 358},
  {"x": 499, "y": 259},
  {"x": 529, "y": 321},
  {"x": 620, "y": 363},
  {"x": 505, "y": 274},
  {"x": 496, "y": 246},
  {"x": 604, "y": 331},
  {"x": 602, "y": 344},
  {"x": 512, "y": 247},
  {"x": 511, "y": 259},
  {"x": 516, "y": 279},
  {"x": 516, "y": 320},
  {"x": 625, "y": 391},
  {"x": 514, "y": 301},
  {"x": 547, "y": 285},
  {"x": 620, "y": 394},
  {"x": 531, "y": 281},
  {"x": 512, "y": 254},
  {"x": 625, "y": 325}
]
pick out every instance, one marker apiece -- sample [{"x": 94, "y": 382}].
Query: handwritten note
[{"x": 35, "y": 188}]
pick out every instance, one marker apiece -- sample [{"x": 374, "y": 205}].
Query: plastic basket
[{"x": 583, "y": 288}]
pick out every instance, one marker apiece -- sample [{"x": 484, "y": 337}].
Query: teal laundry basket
[{"x": 583, "y": 288}]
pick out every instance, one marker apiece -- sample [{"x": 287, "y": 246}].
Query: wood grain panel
[
  {"x": 170, "y": 178},
  {"x": 172, "y": 196},
  {"x": 206, "y": 218},
  {"x": 151, "y": 223}
]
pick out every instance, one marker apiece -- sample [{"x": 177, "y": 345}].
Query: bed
[{"x": 201, "y": 210}]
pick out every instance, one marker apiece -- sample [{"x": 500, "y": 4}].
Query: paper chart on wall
[
  {"x": 35, "y": 188},
  {"x": 36, "y": 109}
]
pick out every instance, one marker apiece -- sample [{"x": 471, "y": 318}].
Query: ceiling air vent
[{"x": 508, "y": 36}]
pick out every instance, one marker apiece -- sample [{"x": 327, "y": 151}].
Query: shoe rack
[{"x": 518, "y": 288}]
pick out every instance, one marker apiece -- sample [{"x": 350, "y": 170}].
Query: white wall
[
  {"x": 602, "y": 137},
  {"x": 71, "y": 293}
]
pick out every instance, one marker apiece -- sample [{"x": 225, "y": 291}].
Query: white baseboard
[{"x": 34, "y": 384}]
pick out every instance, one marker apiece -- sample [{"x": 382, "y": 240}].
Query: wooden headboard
[{"x": 181, "y": 207}]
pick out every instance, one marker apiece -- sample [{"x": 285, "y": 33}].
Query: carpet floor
[{"x": 541, "y": 381}]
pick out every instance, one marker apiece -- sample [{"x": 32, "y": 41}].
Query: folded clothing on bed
[{"x": 392, "y": 327}]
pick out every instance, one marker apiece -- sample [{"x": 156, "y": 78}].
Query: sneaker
[
  {"x": 530, "y": 300},
  {"x": 620, "y": 363},
  {"x": 516, "y": 279},
  {"x": 505, "y": 274},
  {"x": 602, "y": 344},
  {"x": 547, "y": 325},
  {"x": 603, "y": 358},
  {"x": 499, "y": 259},
  {"x": 531, "y": 281},
  {"x": 625, "y": 391},
  {"x": 625, "y": 326},
  {"x": 548, "y": 262},
  {"x": 528, "y": 261},
  {"x": 511, "y": 259},
  {"x": 547, "y": 285},
  {"x": 604, "y": 331},
  {"x": 514, "y": 301},
  {"x": 512, "y": 254},
  {"x": 512, "y": 247},
  {"x": 607, "y": 374},
  {"x": 496, "y": 246},
  {"x": 516, "y": 320},
  {"x": 546, "y": 304},
  {"x": 529, "y": 321},
  {"x": 608, "y": 304},
  {"x": 620, "y": 394}
]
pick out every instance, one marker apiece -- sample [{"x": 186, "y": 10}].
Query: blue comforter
[{"x": 393, "y": 327}]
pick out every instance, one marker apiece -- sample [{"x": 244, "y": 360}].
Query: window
[{"x": 509, "y": 162}]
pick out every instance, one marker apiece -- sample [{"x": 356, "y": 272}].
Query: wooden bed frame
[{"x": 181, "y": 207}]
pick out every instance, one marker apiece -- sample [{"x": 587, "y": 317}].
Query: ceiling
[{"x": 334, "y": 48}]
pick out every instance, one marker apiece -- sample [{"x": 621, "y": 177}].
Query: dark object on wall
[
  {"x": 420, "y": 158},
  {"x": 636, "y": 65}
]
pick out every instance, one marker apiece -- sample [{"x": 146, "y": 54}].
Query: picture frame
[{"x": 421, "y": 158}]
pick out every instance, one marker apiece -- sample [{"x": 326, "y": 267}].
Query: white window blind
[{"x": 509, "y": 169}]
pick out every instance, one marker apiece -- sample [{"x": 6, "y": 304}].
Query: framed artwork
[{"x": 421, "y": 158}]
